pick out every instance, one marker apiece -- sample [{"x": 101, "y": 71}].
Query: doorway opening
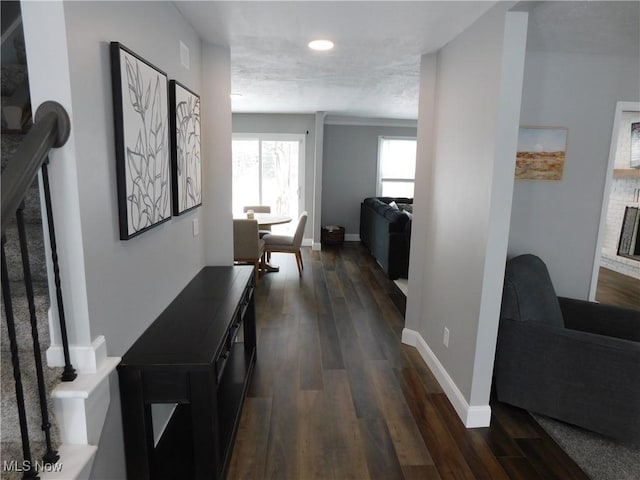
[{"x": 616, "y": 268}]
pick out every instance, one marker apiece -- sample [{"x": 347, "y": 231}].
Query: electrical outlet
[
  {"x": 445, "y": 338},
  {"x": 196, "y": 227}
]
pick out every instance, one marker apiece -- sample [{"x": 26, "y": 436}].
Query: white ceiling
[
  {"x": 606, "y": 28},
  {"x": 374, "y": 69}
]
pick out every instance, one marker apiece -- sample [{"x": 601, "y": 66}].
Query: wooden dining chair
[
  {"x": 248, "y": 247},
  {"x": 288, "y": 243},
  {"x": 260, "y": 209}
]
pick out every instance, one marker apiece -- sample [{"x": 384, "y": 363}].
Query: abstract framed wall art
[
  {"x": 541, "y": 153},
  {"x": 186, "y": 166},
  {"x": 141, "y": 119}
]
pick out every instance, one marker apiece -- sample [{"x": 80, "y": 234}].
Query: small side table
[{"x": 332, "y": 235}]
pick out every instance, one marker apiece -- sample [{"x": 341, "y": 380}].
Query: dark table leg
[
  {"x": 136, "y": 422},
  {"x": 203, "y": 421}
]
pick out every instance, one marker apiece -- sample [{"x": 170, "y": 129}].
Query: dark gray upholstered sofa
[
  {"x": 572, "y": 360},
  {"x": 386, "y": 232}
]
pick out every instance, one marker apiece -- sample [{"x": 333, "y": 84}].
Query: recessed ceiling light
[{"x": 321, "y": 45}]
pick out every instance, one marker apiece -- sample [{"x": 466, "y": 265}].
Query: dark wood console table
[{"x": 199, "y": 354}]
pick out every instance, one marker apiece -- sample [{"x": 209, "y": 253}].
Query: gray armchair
[
  {"x": 247, "y": 245},
  {"x": 572, "y": 360}
]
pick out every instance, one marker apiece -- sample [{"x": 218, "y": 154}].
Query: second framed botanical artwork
[
  {"x": 142, "y": 141},
  {"x": 186, "y": 164}
]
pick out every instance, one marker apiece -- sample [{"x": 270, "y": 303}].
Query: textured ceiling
[
  {"x": 606, "y": 28},
  {"x": 374, "y": 69}
]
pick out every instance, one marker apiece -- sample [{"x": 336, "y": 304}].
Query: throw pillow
[{"x": 407, "y": 207}]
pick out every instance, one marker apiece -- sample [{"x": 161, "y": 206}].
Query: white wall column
[
  {"x": 422, "y": 196},
  {"x": 48, "y": 63},
  {"x": 216, "y": 154},
  {"x": 317, "y": 182}
]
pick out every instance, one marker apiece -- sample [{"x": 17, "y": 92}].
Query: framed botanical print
[
  {"x": 186, "y": 165},
  {"x": 141, "y": 120}
]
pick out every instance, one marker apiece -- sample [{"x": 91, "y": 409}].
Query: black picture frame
[
  {"x": 186, "y": 164},
  {"x": 141, "y": 121}
]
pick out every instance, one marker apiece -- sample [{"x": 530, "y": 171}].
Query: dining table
[{"x": 268, "y": 219}]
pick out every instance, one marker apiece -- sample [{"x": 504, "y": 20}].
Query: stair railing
[{"x": 51, "y": 129}]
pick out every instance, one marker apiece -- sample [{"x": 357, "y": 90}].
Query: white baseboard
[
  {"x": 348, "y": 237},
  {"x": 75, "y": 462},
  {"x": 471, "y": 416},
  {"x": 84, "y": 358},
  {"x": 81, "y": 406}
]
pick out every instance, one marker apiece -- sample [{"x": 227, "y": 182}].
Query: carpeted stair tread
[
  {"x": 35, "y": 245},
  {"x": 12, "y": 451},
  {"x": 5, "y": 101},
  {"x": 31, "y": 213},
  {"x": 10, "y": 425},
  {"x": 13, "y": 75},
  {"x": 22, "y": 318},
  {"x": 10, "y": 143}
]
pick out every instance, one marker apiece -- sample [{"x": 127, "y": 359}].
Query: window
[
  {"x": 267, "y": 170},
  {"x": 396, "y": 166}
]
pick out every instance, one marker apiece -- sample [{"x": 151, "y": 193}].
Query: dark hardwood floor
[
  {"x": 335, "y": 395},
  {"x": 617, "y": 289}
]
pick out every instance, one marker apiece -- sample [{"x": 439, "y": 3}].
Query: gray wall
[
  {"x": 461, "y": 216},
  {"x": 284, "y": 123},
  {"x": 349, "y": 171},
  {"x": 130, "y": 282},
  {"x": 559, "y": 221}
]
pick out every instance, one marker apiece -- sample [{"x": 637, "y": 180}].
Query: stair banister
[
  {"x": 50, "y": 130},
  {"x": 30, "y": 472},
  {"x": 50, "y": 456}
]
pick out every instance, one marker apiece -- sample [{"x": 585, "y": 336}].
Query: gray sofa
[
  {"x": 386, "y": 232},
  {"x": 571, "y": 360}
]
